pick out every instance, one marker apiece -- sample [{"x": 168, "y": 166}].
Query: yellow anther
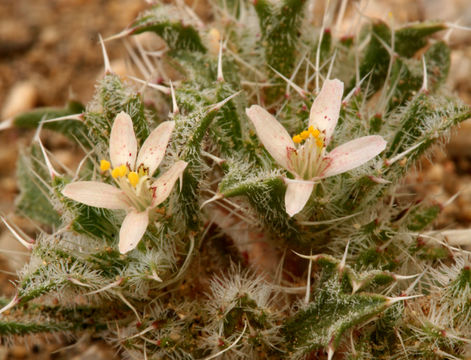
[
  {"x": 119, "y": 171},
  {"x": 133, "y": 178},
  {"x": 319, "y": 142},
  {"x": 115, "y": 173},
  {"x": 314, "y": 132},
  {"x": 104, "y": 165},
  {"x": 304, "y": 134},
  {"x": 297, "y": 139}
]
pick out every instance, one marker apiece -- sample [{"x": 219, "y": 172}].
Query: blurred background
[{"x": 49, "y": 54}]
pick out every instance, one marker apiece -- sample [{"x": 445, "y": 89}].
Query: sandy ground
[{"x": 49, "y": 53}]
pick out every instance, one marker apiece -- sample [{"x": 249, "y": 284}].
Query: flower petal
[
  {"x": 326, "y": 108},
  {"x": 133, "y": 228},
  {"x": 297, "y": 194},
  {"x": 272, "y": 134},
  {"x": 353, "y": 154},
  {"x": 96, "y": 194},
  {"x": 153, "y": 150},
  {"x": 164, "y": 184},
  {"x": 123, "y": 143}
]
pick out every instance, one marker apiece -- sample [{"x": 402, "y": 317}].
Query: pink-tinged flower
[
  {"x": 136, "y": 192},
  {"x": 304, "y": 155}
]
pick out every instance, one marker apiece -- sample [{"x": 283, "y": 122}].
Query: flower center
[
  {"x": 306, "y": 134},
  {"x": 135, "y": 185},
  {"x": 307, "y": 160}
]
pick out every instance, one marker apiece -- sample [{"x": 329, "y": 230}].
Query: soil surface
[{"x": 49, "y": 53}]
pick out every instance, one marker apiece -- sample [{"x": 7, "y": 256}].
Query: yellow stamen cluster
[
  {"x": 297, "y": 139},
  {"x": 303, "y": 135},
  {"x": 133, "y": 178},
  {"x": 104, "y": 165},
  {"x": 119, "y": 171}
]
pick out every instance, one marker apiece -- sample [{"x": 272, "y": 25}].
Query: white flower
[
  {"x": 305, "y": 154},
  {"x": 135, "y": 192}
]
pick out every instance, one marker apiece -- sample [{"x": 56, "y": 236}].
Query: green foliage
[
  {"x": 112, "y": 97},
  {"x": 422, "y": 120},
  {"x": 15, "y": 328},
  {"x": 74, "y": 129},
  {"x": 280, "y": 25},
  {"x": 36, "y": 197},
  {"x": 407, "y": 41},
  {"x": 422, "y": 216},
  {"x": 334, "y": 309},
  {"x": 167, "y": 298},
  {"x": 177, "y": 34},
  {"x": 265, "y": 192},
  {"x": 324, "y": 322}
]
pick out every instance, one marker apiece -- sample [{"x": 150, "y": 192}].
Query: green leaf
[
  {"x": 326, "y": 44},
  {"x": 177, "y": 33},
  {"x": 40, "y": 318},
  {"x": 376, "y": 58},
  {"x": 425, "y": 117},
  {"x": 417, "y": 126},
  {"x": 24, "y": 328},
  {"x": 280, "y": 26},
  {"x": 334, "y": 309},
  {"x": 438, "y": 60},
  {"x": 29, "y": 289},
  {"x": 74, "y": 129},
  {"x": 88, "y": 220},
  {"x": 322, "y": 324},
  {"x": 408, "y": 74},
  {"x": 190, "y": 130},
  {"x": 265, "y": 193},
  {"x": 114, "y": 96},
  {"x": 95, "y": 222},
  {"x": 226, "y": 131},
  {"x": 422, "y": 216},
  {"x": 408, "y": 40},
  {"x": 35, "y": 197},
  {"x": 411, "y": 38}
]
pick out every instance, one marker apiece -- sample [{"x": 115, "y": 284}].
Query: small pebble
[
  {"x": 15, "y": 36},
  {"x": 18, "y": 351},
  {"x": 435, "y": 173},
  {"x": 3, "y": 353},
  {"x": 49, "y": 36},
  {"x": 22, "y": 97}
]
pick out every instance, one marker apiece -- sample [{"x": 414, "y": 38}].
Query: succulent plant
[{"x": 264, "y": 233}]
